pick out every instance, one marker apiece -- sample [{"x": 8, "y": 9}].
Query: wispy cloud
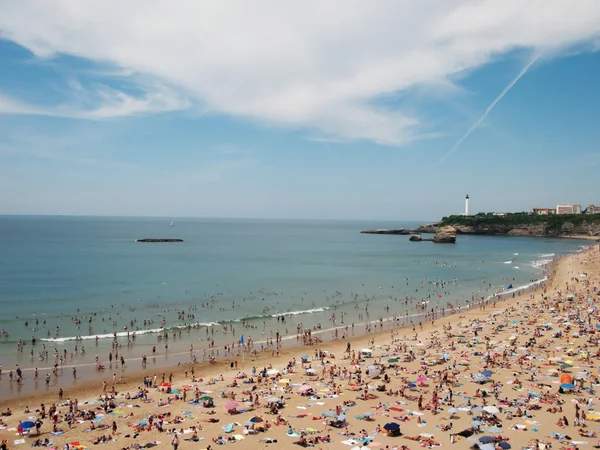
[
  {"x": 287, "y": 65},
  {"x": 101, "y": 102}
]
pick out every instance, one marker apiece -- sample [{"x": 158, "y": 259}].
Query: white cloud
[{"x": 311, "y": 64}]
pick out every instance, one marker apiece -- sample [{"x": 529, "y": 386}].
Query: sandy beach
[{"x": 498, "y": 376}]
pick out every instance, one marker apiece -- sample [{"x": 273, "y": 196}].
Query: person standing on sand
[{"x": 175, "y": 442}]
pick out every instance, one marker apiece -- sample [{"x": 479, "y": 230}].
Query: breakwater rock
[
  {"x": 159, "y": 240},
  {"x": 389, "y": 231}
]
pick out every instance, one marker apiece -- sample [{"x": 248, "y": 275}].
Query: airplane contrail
[{"x": 489, "y": 108}]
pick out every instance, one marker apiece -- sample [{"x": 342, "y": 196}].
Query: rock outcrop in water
[
  {"x": 159, "y": 240},
  {"x": 445, "y": 235},
  {"x": 415, "y": 238},
  {"x": 389, "y": 231}
]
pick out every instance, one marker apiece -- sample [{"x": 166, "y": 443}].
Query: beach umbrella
[
  {"x": 486, "y": 439},
  {"x": 366, "y": 350},
  {"x": 341, "y": 417},
  {"x": 486, "y": 447},
  {"x": 505, "y": 445},
  {"x": 494, "y": 429},
  {"x": 310, "y": 370},
  {"x": 272, "y": 372},
  {"x": 304, "y": 356},
  {"x": 421, "y": 379},
  {"x": 487, "y": 373},
  {"x": 205, "y": 398},
  {"x": 273, "y": 400},
  {"x": 491, "y": 409},
  {"x": 392, "y": 426},
  {"x": 368, "y": 414},
  {"x": 284, "y": 381},
  {"x": 567, "y": 386},
  {"x": 453, "y": 411},
  {"x": 231, "y": 405},
  {"x": 329, "y": 413},
  {"x": 304, "y": 388},
  {"x": 479, "y": 377},
  {"x": 257, "y": 419},
  {"x": 26, "y": 425},
  {"x": 412, "y": 385},
  {"x": 248, "y": 423},
  {"x": 374, "y": 372},
  {"x": 393, "y": 360},
  {"x": 165, "y": 384},
  {"x": 476, "y": 423},
  {"x": 477, "y": 409}
]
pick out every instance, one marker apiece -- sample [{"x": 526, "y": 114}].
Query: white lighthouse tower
[{"x": 467, "y": 205}]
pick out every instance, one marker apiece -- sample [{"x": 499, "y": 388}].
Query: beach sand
[{"x": 529, "y": 339}]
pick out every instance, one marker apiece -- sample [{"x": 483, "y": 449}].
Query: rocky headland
[{"x": 516, "y": 224}]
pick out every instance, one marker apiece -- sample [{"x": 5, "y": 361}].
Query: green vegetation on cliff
[{"x": 552, "y": 223}]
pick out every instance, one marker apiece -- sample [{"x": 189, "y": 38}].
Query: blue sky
[{"x": 140, "y": 111}]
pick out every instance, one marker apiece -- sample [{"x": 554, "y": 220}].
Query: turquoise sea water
[{"x": 56, "y": 269}]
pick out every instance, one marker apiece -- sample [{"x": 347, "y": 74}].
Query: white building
[{"x": 568, "y": 208}]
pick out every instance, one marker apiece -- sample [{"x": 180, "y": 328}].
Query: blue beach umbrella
[
  {"x": 26, "y": 425},
  {"x": 486, "y": 439},
  {"x": 504, "y": 445},
  {"x": 487, "y": 373},
  {"x": 567, "y": 386},
  {"x": 392, "y": 426}
]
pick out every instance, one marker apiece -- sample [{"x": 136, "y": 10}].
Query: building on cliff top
[
  {"x": 543, "y": 211},
  {"x": 568, "y": 208},
  {"x": 592, "y": 209}
]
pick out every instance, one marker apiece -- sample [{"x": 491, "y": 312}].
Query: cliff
[{"x": 525, "y": 224}]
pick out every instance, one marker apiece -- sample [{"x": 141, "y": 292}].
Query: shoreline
[
  {"x": 523, "y": 375},
  {"x": 181, "y": 363}
]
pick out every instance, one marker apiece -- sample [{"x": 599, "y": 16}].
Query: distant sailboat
[{"x": 172, "y": 224}]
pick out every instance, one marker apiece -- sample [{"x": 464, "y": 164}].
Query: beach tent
[{"x": 565, "y": 378}]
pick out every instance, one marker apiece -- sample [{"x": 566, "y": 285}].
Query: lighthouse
[{"x": 467, "y": 205}]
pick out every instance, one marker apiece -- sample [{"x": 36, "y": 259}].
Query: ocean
[{"x": 67, "y": 277}]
